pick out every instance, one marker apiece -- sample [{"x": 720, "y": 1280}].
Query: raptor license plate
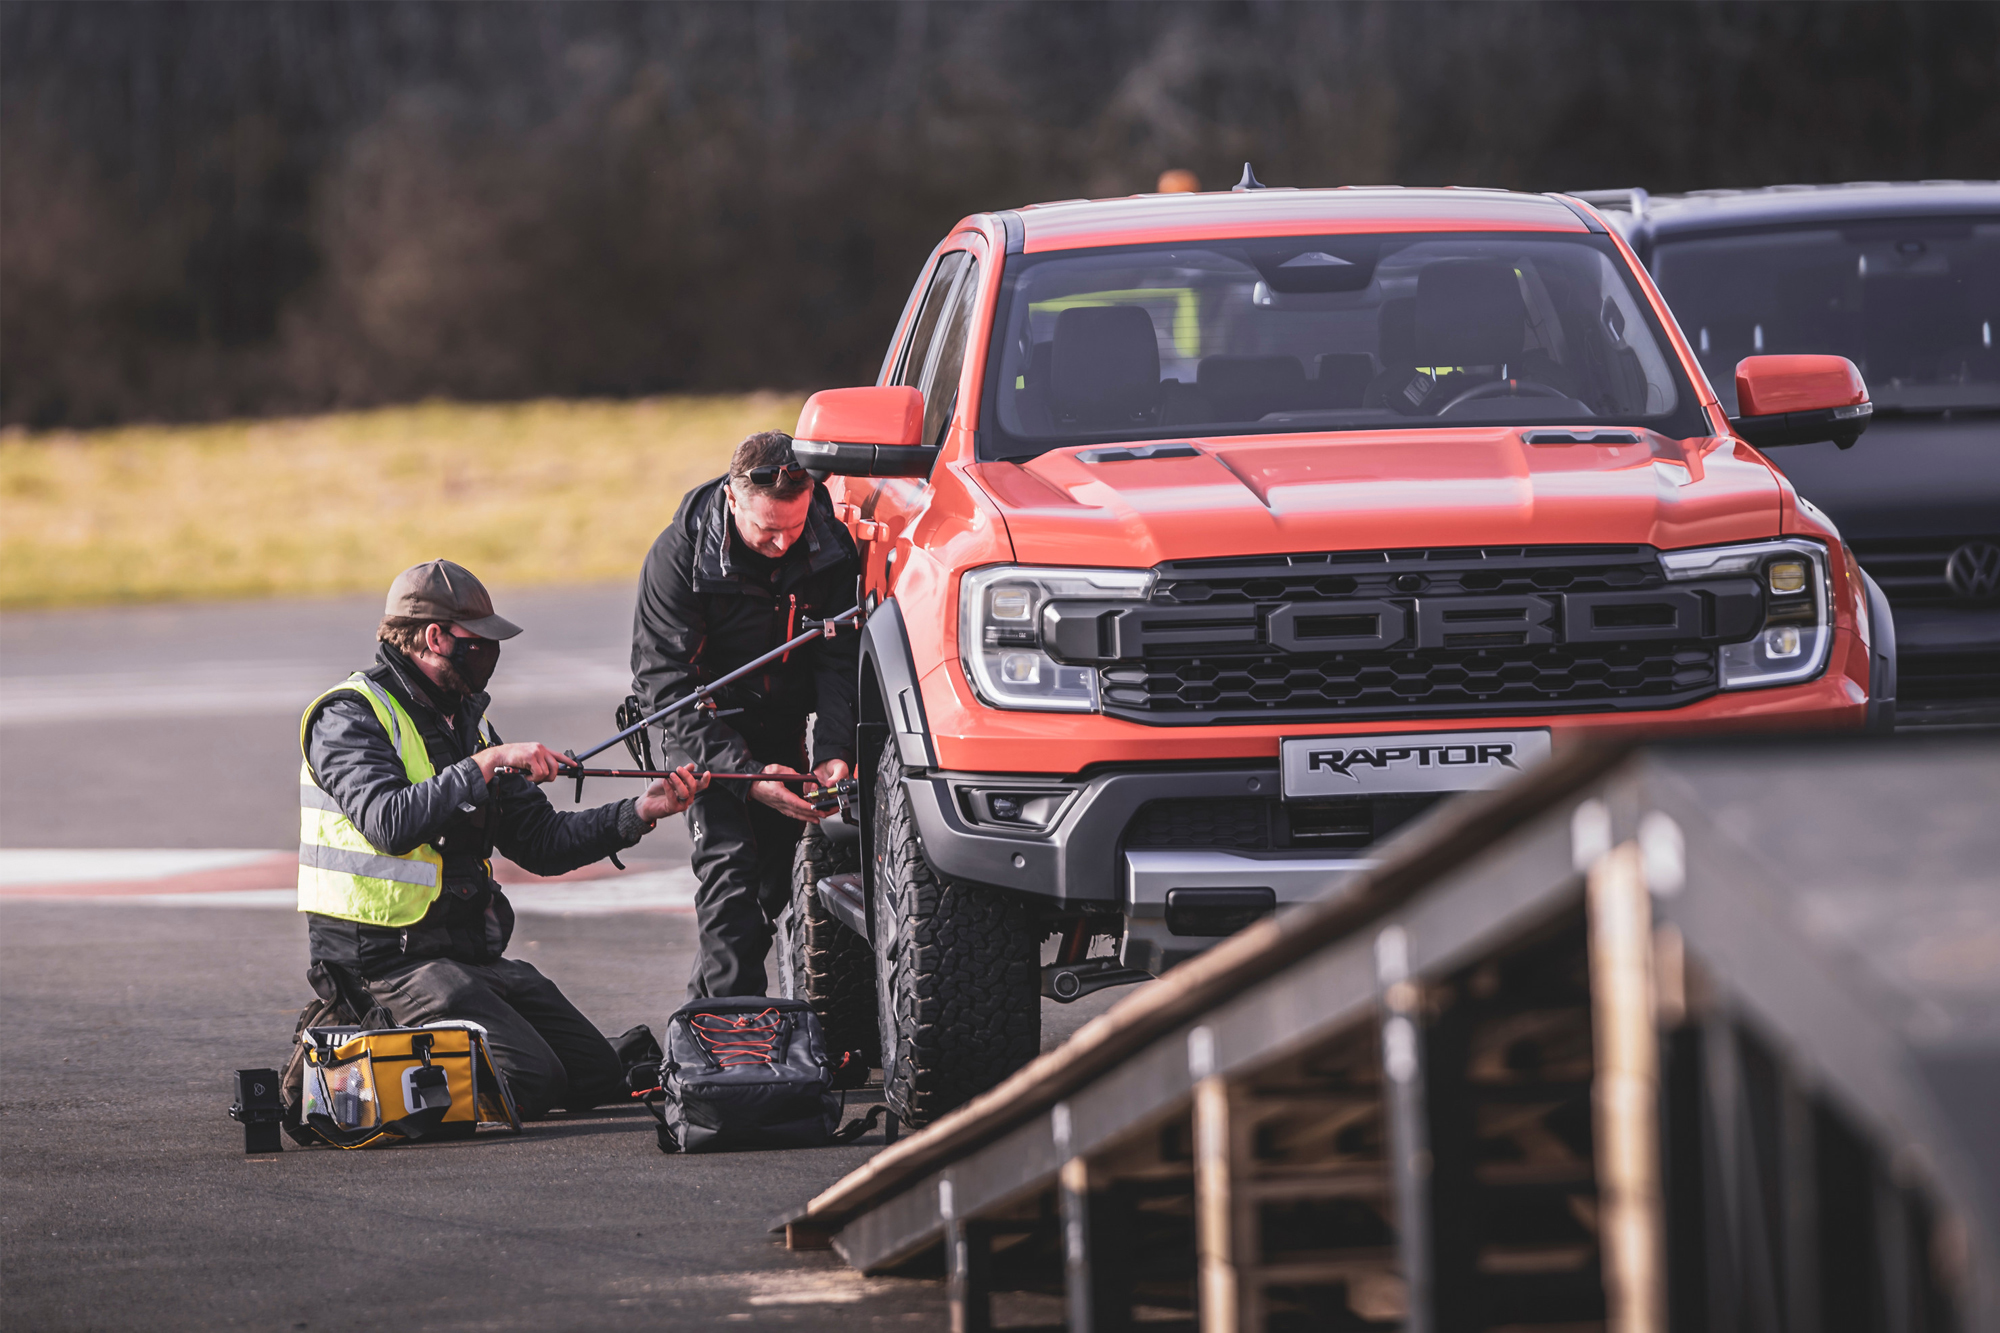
[{"x": 1419, "y": 761}]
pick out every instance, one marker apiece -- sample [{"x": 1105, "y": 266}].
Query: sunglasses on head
[{"x": 772, "y": 474}]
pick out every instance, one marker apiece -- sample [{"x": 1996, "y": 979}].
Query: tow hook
[{"x": 1072, "y": 981}]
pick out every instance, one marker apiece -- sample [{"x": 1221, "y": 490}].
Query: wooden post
[
  {"x": 1892, "y": 1251},
  {"x": 1404, "y": 1109},
  {"x": 807, "y": 1236},
  {"x": 967, "y": 1252},
  {"x": 1728, "y": 1272},
  {"x": 1219, "y": 1255},
  {"x": 1798, "y": 1146},
  {"x": 1073, "y": 1204},
  {"x": 1097, "y": 1222},
  {"x": 1626, "y": 1093}
]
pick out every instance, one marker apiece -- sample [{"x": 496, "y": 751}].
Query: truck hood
[{"x": 1138, "y": 505}]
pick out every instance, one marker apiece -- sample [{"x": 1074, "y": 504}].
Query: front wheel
[
  {"x": 957, "y": 975},
  {"x": 820, "y": 960}
]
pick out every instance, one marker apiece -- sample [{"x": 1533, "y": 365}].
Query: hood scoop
[
  {"x": 1580, "y": 437},
  {"x": 1138, "y": 453}
]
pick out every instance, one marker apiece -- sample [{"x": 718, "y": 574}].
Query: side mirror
[
  {"x": 872, "y": 432},
  {"x": 1800, "y": 400}
]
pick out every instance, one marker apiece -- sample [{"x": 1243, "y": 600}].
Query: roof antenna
[{"x": 1249, "y": 181}]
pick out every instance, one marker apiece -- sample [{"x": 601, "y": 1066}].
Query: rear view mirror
[
  {"x": 872, "y": 432},
  {"x": 1800, "y": 400}
]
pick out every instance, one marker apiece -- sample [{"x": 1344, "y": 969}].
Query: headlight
[
  {"x": 1000, "y": 625},
  {"x": 1797, "y": 634}
]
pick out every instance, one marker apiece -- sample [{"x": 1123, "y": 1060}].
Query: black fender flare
[
  {"x": 888, "y": 695},
  {"x": 887, "y": 703},
  {"x": 1881, "y": 657}
]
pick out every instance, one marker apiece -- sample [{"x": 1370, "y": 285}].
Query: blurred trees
[{"x": 225, "y": 208}]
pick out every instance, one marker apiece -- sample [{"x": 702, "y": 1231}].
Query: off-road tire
[
  {"x": 820, "y": 960},
  {"x": 956, "y": 973}
]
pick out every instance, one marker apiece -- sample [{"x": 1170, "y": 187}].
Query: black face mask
[{"x": 474, "y": 659}]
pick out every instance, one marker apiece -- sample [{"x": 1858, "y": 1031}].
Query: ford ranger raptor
[{"x": 1208, "y": 539}]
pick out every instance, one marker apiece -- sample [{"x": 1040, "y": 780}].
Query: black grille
[
  {"x": 1476, "y": 682},
  {"x": 1243, "y": 823},
  {"x": 1256, "y": 824},
  {"x": 1414, "y": 633},
  {"x": 1942, "y": 677},
  {"x": 1910, "y": 571}
]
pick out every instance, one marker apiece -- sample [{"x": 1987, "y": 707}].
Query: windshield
[
  {"x": 1325, "y": 333},
  {"x": 1913, "y": 304}
]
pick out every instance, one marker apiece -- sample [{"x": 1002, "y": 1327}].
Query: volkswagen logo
[{"x": 1974, "y": 571}]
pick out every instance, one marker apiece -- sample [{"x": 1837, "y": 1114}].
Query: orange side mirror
[
  {"x": 875, "y": 431},
  {"x": 1800, "y": 400}
]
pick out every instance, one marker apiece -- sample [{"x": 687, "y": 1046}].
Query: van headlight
[
  {"x": 1001, "y": 624},
  {"x": 1797, "y": 634}
]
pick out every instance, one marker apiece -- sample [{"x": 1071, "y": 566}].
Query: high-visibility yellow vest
[{"x": 342, "y": 874}]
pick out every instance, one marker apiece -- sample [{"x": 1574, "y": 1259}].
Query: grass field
[{"x": 542, "y": 492}]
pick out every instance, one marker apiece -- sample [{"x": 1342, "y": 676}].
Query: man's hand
[
  {"x": 833, "y": 771},
  {"x": 672, "y": 794},
  {"x": 536, "y": 761},
  {"x": 782, "y": 798}
]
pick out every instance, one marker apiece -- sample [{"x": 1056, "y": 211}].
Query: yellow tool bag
[{"x": 394, "y": 1085}]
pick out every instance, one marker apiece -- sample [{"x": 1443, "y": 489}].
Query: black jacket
[
  {"x": 456, "y": 810},
  {"x": 705, "y": 609}
]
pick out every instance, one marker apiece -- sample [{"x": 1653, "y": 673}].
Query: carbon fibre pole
[
  {"x": 821, "y": 795},
  {"x": 823, "y": 629},
  {"x": 573, "y": 771}
]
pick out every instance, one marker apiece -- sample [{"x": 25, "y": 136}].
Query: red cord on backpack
[{"x": 746, "y": 1039}]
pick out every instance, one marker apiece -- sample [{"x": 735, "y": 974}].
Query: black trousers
[
  {"x": 550, "y": 1054},
  {"x": 743, "y": 858}
]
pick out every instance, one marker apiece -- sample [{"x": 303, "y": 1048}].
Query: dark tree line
[{"x": 233, "y": 207}]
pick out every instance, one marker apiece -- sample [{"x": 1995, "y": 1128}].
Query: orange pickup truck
[{"x": 1209, "y": 538}]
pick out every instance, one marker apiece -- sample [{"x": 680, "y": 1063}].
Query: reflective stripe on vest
[{"x": 341, "y": 874}]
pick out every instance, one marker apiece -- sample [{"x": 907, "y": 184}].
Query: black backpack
[{"x": 748, "y": 1072}]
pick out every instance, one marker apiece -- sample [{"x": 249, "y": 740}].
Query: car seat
[
  {"x": 1469, "y": 318},
  {"x": 1469, "y": 312},
  {"x": 1342, "y": 379},
  {"x": 1396, "y": 342},
  {"x": 1104, "y": 366},
  {"x": 1245, "y": 388}
]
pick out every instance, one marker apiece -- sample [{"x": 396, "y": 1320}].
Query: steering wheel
[{"x": 1504, "y": 388}]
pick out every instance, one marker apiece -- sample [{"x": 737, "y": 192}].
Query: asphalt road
[
  {"x": 126, "y": 1200},
  {"x": 125, "y": 1197}
]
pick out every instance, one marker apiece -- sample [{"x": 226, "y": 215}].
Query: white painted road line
[
  {"x": 223, "y": 689},
  {"x": 68, "y": 865},
  {"x": 178, "y": 877},
  {"x": 641, "y": 891}
]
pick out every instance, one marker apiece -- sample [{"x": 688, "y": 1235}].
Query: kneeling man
[{"x": 402, "y": 807}]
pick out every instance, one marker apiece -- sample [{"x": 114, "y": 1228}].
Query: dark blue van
[{"x": 1904, "y": 280}]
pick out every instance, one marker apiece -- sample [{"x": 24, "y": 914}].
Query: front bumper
[
  {"x": 1082, "y": 861},
  {"x": 1154, "y": 941},
  {"x": 1077, "y": 863}
]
